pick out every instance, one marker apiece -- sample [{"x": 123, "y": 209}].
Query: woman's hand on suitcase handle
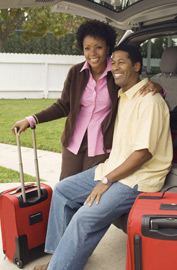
[{"x": 22, "y": 125}]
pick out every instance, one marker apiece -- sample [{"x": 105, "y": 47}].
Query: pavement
[{"x": 110, "y": 252}]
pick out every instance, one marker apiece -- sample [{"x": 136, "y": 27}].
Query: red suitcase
[
  {"x": 24, "y": 216},
  {"x": 152, "y": 232}
]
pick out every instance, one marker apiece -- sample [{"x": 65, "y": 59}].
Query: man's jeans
[{"x": 74, "y": 229}]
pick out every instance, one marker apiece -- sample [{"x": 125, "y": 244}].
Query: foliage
[
  {"x": 47, "y": 45},
  {"x": 10, "y": 19},
  {"x": 158, "y": 45},
  {"x": 41, "y": 20},
  {"x": 48, "y": 134},
  {"x": 36, "y": 22},
  {"x": 67, "y": 45}
]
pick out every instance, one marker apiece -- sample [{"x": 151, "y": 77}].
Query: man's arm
[{"x": 129, "y": 166}]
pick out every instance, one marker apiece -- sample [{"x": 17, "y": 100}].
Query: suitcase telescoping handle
[
  {"x": 167, "y": 189},
  {"x": 21, "y": 164},
  {"x": 36, "y": 162},
  {"x": 156, "y": 197}
]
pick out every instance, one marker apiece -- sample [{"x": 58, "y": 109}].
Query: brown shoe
[{"x": 41, "y": 267}]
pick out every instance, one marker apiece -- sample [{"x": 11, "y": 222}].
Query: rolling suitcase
[
  {"x": 24, "y": 215},
  {"x": 152, "y": 232}
]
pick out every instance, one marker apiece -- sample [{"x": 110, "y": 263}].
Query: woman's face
[{"x": 95, "y": 52}]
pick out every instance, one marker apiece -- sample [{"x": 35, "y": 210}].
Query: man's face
[{"x": 124, "y": 72}]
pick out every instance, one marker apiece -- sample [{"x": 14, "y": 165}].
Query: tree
[
  {"x": 158, "y": 45},
  {"x": 36, "y": 22},
  {"x": 10, "y": 20},
  {"x": 67, "y": 45},
  {"x": 46, "y": 45},
  {"x": 42, "y": 20}
]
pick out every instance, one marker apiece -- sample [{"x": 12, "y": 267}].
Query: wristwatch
[{"x": 105, "y": 181}]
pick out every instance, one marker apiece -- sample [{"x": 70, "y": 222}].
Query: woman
[{"x": 89, "y": 100}]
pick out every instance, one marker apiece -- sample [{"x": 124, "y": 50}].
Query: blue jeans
[{"x": 74, "y": 229}]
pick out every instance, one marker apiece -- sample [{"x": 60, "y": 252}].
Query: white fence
[{"x": 36, "y": 76}]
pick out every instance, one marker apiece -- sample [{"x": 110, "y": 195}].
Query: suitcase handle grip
[
  {"x": 158, "y": 223},
  {"x": 159, "y": 227},
  {"x": 17, "y": 128},
  {"x": 19, "y": 189}
]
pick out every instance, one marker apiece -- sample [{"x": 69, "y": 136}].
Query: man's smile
[{"x": 117, "y": 75}]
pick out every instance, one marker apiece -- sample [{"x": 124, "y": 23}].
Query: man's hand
[
  {"x": 151, "y": 87},
  {"x": 96, "y": 193}
]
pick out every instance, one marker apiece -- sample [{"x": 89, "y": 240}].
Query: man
[{"x": 84, "y": 205}]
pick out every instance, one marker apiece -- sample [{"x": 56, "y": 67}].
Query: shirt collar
[
  {"x": 133, "y": 90},
  {"x": 85, "y": 66},
  {"x": 107, "y": 69}
]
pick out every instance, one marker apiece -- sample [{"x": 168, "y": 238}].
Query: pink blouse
[{"x": 95, "y": 104}]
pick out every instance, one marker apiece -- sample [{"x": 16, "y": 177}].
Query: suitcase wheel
[{"x": 19, "y": 263}]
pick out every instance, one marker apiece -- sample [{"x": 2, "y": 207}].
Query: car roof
[{"x": 123, "y": 14}]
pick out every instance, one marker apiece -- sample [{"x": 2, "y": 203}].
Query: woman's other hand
[
  {"x": 152, "y": 87},
  {"x": 23, "y": 125}
]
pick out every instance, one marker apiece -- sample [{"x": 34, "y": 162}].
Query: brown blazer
[{"x": 69, "y": 105}]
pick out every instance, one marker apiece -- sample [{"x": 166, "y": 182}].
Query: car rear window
[
  {"x": 116, "y": 5},
  {"x": 151, "y": 51}
]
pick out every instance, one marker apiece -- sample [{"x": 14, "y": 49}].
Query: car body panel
[
  {"x": 140, "y": 12},
  {"x": 4, "y": 4},
  {"x": 123, "y": 14}
]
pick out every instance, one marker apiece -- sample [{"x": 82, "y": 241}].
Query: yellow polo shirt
[{"x": 141, "y": 123}]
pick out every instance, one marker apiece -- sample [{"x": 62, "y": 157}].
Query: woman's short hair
[
  {"x": 99, "y": 30},
  {"x": 133, "y": 53}
]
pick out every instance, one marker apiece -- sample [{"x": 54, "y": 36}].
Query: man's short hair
[{"x": 133, "y": 53}]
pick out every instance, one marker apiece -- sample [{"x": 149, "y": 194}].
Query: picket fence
[{"x": 36, "y": 76}]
